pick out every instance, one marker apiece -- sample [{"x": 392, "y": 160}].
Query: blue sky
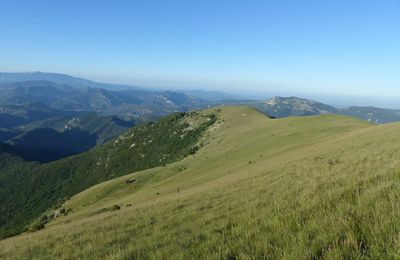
[{"x": 260, "y": 47}]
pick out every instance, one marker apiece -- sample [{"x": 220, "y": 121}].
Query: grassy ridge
[
  {"x": 27, "y": 191},
  {"x": 313, "y": 187}
]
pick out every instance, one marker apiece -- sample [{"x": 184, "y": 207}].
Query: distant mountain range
[
  {"x": 12, "y": 116},
  {"x": 67, "y": 93},
  {"x": 40, "y": 133},
  {"x": 138, "y": 104},
  {"x": 60, "y": 79},
  {"x": 293, "y": 106},
  {"x": 372, "y": 114},
  {"x": 48, "y": 116},
  {"x": 215, "y": 96}
]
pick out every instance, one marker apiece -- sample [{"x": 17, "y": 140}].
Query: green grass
[
  {"x": 295, "y": 188},
  {"x": 29, "y": 189}
]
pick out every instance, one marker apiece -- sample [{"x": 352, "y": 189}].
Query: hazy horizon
[
  {"x": 334, "y": 51},
  {"x": 339, "y": 101}
]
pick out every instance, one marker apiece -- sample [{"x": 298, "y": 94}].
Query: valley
[{"x": 45, "y": 120}]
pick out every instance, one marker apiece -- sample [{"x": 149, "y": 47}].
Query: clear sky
[{"x": 322, "y": 47}]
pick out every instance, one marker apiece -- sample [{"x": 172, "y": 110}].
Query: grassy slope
[
  {"x": 319, "y": 186},
  {"x": 27, "y": 190}
]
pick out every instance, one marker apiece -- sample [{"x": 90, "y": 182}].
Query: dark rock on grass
[{"x": 130, "y": 181}]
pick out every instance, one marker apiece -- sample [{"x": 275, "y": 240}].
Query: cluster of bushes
[
  {"x": 46, "y": 218},
  {"x": 112, "y": 208},
  {"x": 39, "y": 224}
]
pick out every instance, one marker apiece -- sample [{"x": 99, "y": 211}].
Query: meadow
[{"x": 320, "y": 187}]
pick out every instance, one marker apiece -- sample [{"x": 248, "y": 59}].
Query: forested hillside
[{"x": 29, "y": 189}]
